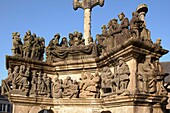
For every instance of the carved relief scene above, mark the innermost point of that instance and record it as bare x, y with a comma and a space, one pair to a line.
118, 68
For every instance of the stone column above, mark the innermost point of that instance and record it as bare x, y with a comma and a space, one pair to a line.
87, 25
87, 6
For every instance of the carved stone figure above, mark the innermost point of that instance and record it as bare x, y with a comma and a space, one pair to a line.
35, 54
64, 43
104, 31
48, 84
147, 76
53, 44
19, 80
101, 47
33, 91
124, 26
108, 85
41, 86
17, 44
75, 89
123, 75
42, 48
67, 87
71, 42
57, 88
160, 78
135, 24
158, 43
24, 80
7, 83
28, 39
15, 74
89, 85
145, 34
90, 40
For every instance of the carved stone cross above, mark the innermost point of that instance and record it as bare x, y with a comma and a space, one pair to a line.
87, 5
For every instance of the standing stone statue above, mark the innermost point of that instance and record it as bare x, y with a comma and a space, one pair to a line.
35, 54
42, 48
17, 44
147, 76
87, 5
33, 91
41, 87
135, 24
123, 73
124, 26
28, 39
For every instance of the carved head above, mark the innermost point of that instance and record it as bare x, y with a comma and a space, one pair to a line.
71, 36
135, 14
28, 32
121, 16
114, 22
34, 35
104, 27
16, 69
90, 39
9, 70
121, 60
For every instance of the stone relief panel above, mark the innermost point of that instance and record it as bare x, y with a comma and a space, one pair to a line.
151, 77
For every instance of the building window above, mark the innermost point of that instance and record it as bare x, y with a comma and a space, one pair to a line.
4, 108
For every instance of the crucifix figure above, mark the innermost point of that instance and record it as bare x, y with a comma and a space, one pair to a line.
87, 5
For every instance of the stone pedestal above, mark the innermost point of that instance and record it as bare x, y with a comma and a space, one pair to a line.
121, 104
133, 51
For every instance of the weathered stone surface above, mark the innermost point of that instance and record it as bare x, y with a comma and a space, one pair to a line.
119, 72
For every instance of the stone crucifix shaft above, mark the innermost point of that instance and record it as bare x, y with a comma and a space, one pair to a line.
87, 5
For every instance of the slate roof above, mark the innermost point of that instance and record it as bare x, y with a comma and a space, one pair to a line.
166, 66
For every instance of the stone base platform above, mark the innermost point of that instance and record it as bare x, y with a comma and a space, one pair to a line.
120, 104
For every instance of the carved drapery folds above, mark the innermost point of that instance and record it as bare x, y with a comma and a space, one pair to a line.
67, 50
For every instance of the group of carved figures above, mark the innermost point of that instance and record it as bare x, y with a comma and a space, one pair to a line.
26, 82
150, 77
33, 46
34, 83
76, 44
115, 34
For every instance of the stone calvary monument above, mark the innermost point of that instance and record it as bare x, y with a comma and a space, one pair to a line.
119, 72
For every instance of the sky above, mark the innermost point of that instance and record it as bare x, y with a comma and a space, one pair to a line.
46, 18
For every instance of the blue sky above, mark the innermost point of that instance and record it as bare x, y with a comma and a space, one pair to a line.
46, 18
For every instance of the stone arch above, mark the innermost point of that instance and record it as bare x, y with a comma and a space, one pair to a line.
46, 111
35, 109
106, 112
